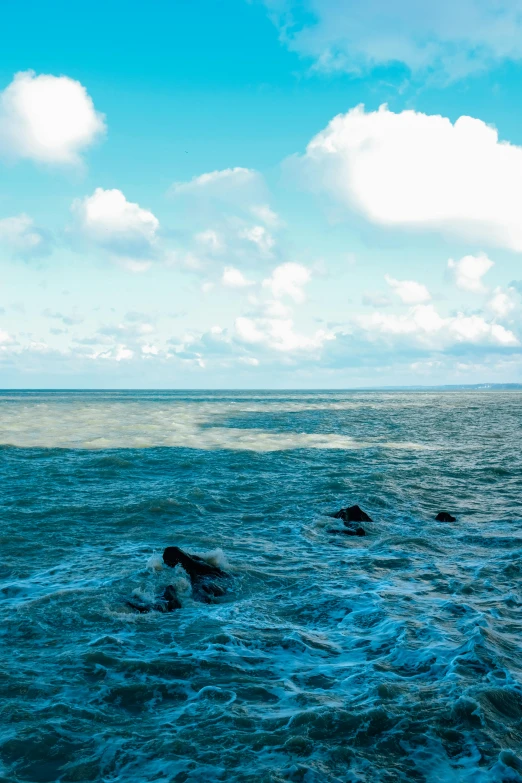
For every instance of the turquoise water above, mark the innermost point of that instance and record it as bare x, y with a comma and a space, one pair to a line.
394, 657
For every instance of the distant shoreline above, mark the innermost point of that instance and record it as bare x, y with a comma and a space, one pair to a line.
445, 387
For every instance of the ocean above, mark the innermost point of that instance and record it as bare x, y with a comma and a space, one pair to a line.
390, 657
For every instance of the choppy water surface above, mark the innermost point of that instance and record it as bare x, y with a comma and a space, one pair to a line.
395, 657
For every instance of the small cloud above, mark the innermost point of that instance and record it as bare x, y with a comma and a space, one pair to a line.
22, 238
266, 215
121, 227
260, 237
217, 183
211, 241
277, 334
48, 119
234, 278
288, 280
424, 325
150, 350
122, 353
469, 271
409, 291
502, 303
119, 353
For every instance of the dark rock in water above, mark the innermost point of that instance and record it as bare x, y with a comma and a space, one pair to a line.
139, 606
195, 566
443, 516
171, 599
205, 590
348, 531
212, 588
168, 602
352, 514
204, 577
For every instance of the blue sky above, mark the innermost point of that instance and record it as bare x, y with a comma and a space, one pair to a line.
260, 194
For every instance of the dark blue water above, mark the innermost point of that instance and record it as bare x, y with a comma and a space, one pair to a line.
393, 657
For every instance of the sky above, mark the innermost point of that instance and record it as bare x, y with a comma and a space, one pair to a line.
260, 194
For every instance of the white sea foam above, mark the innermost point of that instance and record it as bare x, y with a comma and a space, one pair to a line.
155, 562
216, 557
180, 580
96, 424
144, 594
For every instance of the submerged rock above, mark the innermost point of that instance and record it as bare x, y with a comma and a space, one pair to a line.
205, 589
170, 596
143, 608
359, 531
194, 566
204, 577
168, 602
348, 531
444, 516
352, 514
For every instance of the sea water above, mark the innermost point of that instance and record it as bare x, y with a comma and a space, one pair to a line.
394, 657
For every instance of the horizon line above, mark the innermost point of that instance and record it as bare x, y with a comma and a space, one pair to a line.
484, 386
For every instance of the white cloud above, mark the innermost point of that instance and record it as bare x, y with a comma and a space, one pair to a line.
475, 329
123, 228
288, 280
452, 40
210, 240
217, 182
277, 334
22, 237
150, 350
260, 237
409, 291
228, 212
469, 271
416, 171
234, 278
122, 353
502, 303
426, 326
248, 331
267, 215
267, 331
49, 119
119, 353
